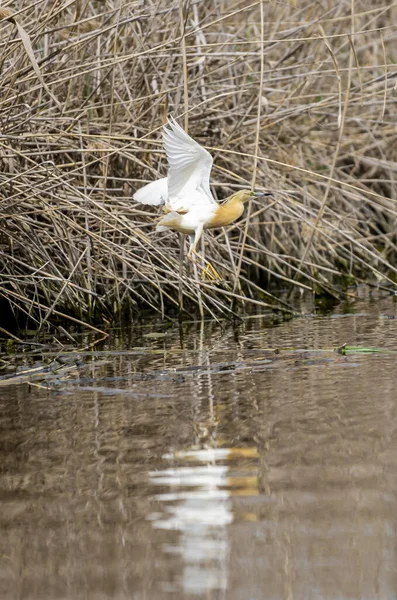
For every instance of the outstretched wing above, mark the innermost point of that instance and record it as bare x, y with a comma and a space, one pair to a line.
154, 193
189, 169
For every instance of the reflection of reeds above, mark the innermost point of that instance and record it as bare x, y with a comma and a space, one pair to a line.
85, 90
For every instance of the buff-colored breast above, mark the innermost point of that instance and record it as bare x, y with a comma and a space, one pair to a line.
226, 214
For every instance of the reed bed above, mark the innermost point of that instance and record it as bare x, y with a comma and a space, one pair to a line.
294, 98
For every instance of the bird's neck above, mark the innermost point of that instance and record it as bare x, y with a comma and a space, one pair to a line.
227, 213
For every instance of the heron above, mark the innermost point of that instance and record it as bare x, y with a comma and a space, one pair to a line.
185, 194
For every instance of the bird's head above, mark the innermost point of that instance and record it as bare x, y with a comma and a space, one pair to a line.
245, 195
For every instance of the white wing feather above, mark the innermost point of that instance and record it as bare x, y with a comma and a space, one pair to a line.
187, 186
189, 169
153, 193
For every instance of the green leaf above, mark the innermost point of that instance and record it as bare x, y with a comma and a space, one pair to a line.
361, 350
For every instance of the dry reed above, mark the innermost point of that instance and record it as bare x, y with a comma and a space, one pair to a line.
297, 97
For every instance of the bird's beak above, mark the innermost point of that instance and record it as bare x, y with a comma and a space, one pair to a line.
261, 194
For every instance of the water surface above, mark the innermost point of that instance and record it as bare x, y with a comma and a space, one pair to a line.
215, 461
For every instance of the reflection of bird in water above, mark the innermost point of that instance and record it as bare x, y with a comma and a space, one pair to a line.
185, 193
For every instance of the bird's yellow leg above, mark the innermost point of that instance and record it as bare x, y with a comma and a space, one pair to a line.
194, 241
208, 272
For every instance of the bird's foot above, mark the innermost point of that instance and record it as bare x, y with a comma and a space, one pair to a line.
209, 273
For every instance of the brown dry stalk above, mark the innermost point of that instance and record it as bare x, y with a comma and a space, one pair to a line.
298, 100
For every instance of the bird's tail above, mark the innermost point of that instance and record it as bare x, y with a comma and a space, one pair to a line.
153, 193
166, 222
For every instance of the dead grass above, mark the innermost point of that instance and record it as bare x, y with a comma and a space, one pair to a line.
297, 100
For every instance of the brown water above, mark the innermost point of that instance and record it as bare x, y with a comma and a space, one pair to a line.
207, 466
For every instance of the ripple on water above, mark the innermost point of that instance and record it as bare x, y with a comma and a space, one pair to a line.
248, 463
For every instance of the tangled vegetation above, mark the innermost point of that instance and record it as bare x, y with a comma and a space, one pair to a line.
294, 98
